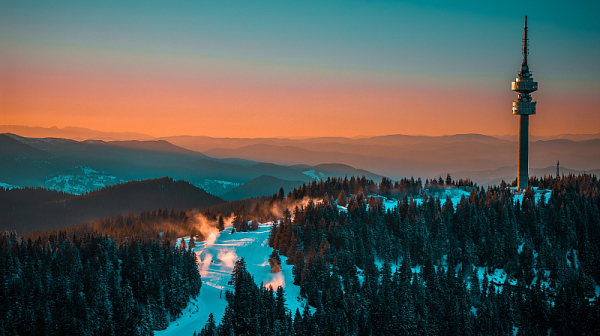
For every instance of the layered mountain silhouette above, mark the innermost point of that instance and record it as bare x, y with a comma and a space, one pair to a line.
401, 156
30, 209
75, 133
65, 164
206, 161
261, 186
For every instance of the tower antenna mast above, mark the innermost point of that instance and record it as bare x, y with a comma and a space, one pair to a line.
523, 107
525, 44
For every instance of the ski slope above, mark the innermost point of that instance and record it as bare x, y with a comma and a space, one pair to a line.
217, 256
216, 263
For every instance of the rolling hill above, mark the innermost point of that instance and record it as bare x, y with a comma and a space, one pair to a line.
30, 209
261, 186
83, 166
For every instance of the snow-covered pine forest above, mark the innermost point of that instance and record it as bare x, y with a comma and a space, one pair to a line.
368, 258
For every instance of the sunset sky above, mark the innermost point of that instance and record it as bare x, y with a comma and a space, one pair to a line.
297, 68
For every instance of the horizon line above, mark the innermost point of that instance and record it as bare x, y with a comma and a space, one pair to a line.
360, 136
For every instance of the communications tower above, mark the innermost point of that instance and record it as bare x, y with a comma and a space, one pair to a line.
523, 107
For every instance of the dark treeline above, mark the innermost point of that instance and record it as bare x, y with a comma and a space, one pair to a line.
343, 261
28, 209
162, 224
58, 284
355, 185
266, 209
341, 189
173, 223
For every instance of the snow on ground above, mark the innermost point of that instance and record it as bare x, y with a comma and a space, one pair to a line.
313, 174
8, 186
389, 203
216, 263
81, 184
497, 278
87, 170
538, 195
216, 187
455, 194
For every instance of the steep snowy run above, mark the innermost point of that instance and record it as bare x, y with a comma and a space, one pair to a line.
217, 256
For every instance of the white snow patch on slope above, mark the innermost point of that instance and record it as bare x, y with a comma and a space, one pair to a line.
497, 278
455, 195
315, 175
8, 186
216, 187
311, 173
217, 261
538, 195
389, 203
80, 184
87, 170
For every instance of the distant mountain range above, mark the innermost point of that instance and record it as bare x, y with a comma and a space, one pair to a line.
203, 143
221, 164
401, 156
83, 166
566, 136
74, 133
495, 176
260, 186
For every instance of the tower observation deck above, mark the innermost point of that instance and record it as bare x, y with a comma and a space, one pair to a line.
523, 107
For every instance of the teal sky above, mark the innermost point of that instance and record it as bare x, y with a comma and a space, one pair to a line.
377, 45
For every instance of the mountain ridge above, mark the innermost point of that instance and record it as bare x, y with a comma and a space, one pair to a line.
261, 186
30, 209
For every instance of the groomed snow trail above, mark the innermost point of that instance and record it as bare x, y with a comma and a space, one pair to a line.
216, 263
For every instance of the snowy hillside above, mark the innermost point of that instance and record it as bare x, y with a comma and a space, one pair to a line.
7, 186
217, 257
216, 187
82, 180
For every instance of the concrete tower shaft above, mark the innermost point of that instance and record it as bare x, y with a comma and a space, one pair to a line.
523, 107
523, 168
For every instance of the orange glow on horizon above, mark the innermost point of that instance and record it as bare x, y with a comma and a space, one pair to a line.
243, 107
